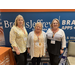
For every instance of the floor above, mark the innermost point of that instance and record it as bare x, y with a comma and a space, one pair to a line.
44, 60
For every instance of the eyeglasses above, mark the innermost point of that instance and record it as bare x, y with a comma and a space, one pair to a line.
38, 27
55, 23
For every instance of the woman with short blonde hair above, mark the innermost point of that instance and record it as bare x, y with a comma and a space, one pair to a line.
53, 21
37, 24
37, 44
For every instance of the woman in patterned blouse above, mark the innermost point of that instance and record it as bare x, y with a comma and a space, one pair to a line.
37, 44
18, 40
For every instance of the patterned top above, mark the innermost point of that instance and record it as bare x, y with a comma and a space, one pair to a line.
30, 42
18, 38
38, 45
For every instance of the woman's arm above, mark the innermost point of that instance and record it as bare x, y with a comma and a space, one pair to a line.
63, 43
29, 42
13, 42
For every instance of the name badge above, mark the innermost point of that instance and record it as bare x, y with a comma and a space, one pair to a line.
37, 43
52, 42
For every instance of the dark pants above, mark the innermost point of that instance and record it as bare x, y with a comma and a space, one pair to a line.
54, 59
21, 59
36, 60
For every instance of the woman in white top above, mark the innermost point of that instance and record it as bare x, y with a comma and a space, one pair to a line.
37, 44
56, 42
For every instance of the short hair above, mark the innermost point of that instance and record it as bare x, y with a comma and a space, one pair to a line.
37, 24
17, 18
53, 21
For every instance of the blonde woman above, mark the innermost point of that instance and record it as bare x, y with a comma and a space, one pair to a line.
37, 44
56, 42
18, 40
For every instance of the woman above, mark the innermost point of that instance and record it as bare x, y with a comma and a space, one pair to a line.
37, 44
18, 40
56, 42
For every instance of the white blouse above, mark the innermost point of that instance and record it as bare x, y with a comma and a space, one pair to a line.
30, 42
59, 36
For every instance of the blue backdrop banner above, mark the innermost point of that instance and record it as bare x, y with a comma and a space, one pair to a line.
66, 19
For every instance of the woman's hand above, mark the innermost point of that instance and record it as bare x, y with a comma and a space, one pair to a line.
17, 50
28, 50
61, 51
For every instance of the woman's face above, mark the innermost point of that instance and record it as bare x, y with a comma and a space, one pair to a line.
55, 24
20, 21
38, 27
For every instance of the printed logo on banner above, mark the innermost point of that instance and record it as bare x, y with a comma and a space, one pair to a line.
2, 39
69, 25
30, 24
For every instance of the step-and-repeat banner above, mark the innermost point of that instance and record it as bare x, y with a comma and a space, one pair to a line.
66, 19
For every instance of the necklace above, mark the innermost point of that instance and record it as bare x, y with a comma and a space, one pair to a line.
54, 31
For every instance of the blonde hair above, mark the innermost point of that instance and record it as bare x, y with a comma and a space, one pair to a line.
17, 18
37, 24
53, 21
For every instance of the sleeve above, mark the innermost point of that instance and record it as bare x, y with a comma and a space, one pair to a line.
46, 38
28, 41
26, 35
63, 40
45, 41
12, 38
47, 33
